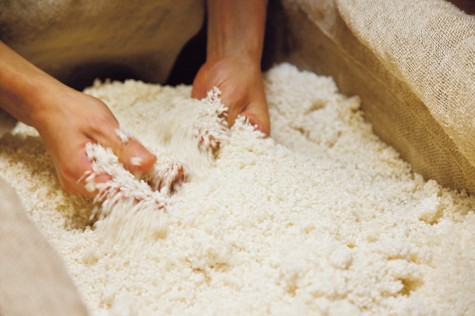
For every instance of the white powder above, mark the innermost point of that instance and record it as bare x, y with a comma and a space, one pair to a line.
323, 218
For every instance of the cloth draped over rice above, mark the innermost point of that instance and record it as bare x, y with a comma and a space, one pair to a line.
411, 62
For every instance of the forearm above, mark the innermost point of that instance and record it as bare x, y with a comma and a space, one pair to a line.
22, 85
236, 29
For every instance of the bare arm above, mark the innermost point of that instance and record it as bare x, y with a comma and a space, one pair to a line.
236, 28
21, 84
234, 51
65, 118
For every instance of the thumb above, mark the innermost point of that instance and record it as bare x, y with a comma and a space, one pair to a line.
135, 157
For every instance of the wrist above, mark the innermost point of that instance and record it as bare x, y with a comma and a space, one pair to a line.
246, 49
236, 29
44, 95
24, 88
27, 97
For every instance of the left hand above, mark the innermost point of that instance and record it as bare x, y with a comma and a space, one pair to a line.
240, 81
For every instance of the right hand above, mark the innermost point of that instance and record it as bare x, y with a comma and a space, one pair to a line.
67, 120
240, 81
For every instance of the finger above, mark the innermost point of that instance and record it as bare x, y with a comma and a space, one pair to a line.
102, 178
199, 88
235, 107
167, 177
131, 153
75, 177
136, 157
232, 115
88, 187
258, 116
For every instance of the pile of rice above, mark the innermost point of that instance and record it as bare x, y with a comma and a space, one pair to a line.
322, 218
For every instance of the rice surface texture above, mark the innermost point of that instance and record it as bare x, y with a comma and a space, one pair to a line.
323, 218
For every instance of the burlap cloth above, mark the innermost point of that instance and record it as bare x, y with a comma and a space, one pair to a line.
413, 65
33, 278
84, 39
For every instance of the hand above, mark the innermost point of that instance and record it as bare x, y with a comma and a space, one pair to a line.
69, 119
233, 58
240, 81
66, 120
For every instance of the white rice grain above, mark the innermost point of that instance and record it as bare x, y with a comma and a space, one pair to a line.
321, 219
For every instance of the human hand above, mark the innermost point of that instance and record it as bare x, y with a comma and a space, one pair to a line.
69, 119
233, 58
66, 120
240, 82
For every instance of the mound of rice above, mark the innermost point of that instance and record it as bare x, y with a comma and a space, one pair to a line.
322, 218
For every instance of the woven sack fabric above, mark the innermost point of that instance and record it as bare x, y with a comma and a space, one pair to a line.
77, 41
68, 38
33, 278
413, 65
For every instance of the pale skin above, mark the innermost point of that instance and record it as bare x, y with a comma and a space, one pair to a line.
67, 119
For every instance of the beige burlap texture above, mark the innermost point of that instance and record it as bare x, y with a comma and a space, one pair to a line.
33, 279
74, 40
413, 65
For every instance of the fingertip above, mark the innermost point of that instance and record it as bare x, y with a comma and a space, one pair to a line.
231, 118
73, 176
265, 128
260, 125
102, 178
197, 91
145, 162
89, 189
137, 158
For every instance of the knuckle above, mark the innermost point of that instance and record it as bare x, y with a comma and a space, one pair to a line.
103, 122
